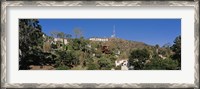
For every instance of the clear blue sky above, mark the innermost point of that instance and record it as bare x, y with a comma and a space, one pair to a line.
149, 31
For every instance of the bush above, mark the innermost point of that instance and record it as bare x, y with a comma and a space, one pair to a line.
66, 58
161, 64
118, 68
138, 58
176, 48
93, 66
62, 68
79, 67
105, 64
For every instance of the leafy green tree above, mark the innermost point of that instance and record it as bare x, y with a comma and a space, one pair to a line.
98, 53
105, 64
83, 44
92, 66
79, 44
112, 58
138, 58
176, 48
66, 58
76, 44
30, 39
161, 64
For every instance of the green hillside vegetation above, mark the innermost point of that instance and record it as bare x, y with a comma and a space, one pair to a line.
38, 49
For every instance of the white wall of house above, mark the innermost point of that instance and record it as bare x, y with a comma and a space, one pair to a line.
60, 39
121, 62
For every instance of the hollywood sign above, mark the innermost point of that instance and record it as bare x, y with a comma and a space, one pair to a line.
98, 39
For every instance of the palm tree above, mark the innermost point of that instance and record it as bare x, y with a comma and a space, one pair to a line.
68, 35
157, 47
54, 34
77, 32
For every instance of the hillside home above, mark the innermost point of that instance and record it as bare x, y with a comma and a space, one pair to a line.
122, 62
61, 40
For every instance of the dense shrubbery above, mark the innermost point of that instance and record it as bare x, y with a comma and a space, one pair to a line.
93, 66
160, 64
138, 58
67, 59
150, 59
105, 64
176, 48
30, 43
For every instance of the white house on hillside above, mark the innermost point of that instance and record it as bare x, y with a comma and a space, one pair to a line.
61, 40
121, 62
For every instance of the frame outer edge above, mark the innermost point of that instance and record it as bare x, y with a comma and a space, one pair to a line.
96, 3
196, 15
3, 44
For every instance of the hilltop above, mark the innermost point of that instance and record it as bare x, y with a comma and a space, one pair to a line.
127, 44
121, 46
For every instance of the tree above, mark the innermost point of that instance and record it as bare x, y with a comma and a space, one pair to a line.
63, 36
46, 47
167, 45
79, 44
176, 48
166, 50
138, 58
68, 36
98, 53
160, 64
76, 44
157, 47
66, 59
105, 64
30, 39
93, 66
54, 34
77, 32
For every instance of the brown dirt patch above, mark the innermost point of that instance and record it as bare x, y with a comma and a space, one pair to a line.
44, 67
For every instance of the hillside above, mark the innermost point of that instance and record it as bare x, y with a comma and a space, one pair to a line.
121, 46
126, 44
